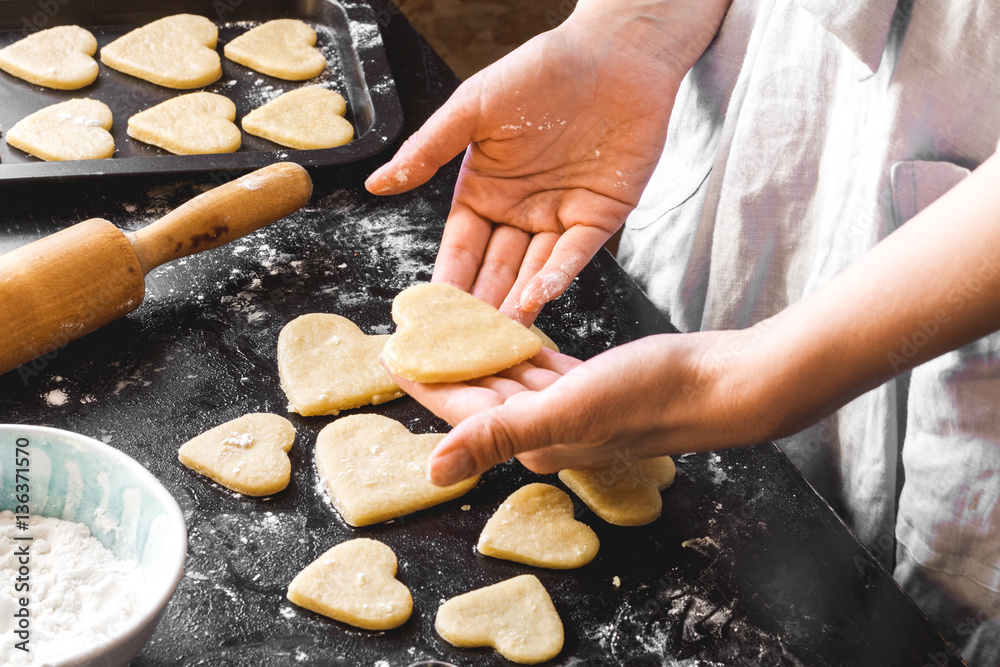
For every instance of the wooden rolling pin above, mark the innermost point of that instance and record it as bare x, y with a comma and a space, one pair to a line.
63, 286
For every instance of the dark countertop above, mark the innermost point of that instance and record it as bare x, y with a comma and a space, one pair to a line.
775, 578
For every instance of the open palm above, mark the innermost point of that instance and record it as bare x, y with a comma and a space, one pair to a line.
561, 136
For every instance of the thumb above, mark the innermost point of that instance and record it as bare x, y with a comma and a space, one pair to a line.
489, 438
444, 135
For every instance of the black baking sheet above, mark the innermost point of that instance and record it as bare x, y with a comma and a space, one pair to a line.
348, 35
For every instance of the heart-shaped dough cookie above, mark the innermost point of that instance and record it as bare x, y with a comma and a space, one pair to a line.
304, 118
354, 582
283, 48
71, 130
192, 124
57, 58
447, 335
176, 52
374, 469
544, 337
625, 494
327, 364
535, 526
516, 617
248, 455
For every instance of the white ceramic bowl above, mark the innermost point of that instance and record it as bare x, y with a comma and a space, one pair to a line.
76, 478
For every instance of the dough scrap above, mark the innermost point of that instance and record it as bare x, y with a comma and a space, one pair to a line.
72, 130
354, 582
175, 52
57, 58
248, 455
535, 526
374, 469
327, 364
447, 335
283, 48
627, 493
303, 119
191, 124
516, 617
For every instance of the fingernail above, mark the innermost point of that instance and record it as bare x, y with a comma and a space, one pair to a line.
452, 467
375, 176
528, 305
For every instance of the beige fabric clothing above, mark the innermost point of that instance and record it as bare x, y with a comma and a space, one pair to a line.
809, 131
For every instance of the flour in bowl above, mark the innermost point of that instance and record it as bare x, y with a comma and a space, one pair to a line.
79, 595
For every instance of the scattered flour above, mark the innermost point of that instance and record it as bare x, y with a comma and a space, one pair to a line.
240, 440
80, 594
56, 397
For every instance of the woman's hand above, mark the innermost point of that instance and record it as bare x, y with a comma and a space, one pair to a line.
562, 136
929, 287
663, 394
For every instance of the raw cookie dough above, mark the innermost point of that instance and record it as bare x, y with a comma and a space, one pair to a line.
283, 48
71, 130
192, 124
546, 341
248, 455
535, 526
374, 469
626, 494
327, 364
176, 52
447, 335
57, 58
516, 617
354, 582
304, 118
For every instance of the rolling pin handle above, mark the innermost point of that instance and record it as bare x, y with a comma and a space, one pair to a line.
223, 214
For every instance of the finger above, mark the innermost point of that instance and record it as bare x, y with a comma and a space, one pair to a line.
572, 251
534, 259
530, 376
547, 460
501, 263
451, 401
554, 458
487, 438
611, 454
463, 246
503, 387
443, 136
555, 361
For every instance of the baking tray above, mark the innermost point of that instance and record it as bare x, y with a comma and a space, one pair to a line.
348, 35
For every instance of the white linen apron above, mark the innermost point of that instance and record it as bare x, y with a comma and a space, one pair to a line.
807, 132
